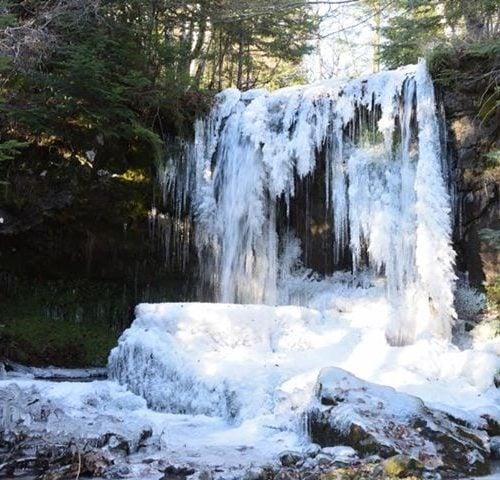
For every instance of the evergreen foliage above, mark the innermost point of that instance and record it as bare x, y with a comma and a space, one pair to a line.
106, 82
10, 148
415, 27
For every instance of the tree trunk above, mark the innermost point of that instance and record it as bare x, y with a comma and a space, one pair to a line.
239, 77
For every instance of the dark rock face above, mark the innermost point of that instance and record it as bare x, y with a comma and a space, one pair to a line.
475, 179
77, 252
376, 419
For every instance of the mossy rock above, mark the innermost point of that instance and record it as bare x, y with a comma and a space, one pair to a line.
401, 466
376, 424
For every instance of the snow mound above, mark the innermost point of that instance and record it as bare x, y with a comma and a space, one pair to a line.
85, 410
211, 359
254, 362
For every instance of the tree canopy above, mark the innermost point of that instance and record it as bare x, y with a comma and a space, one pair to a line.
415, 27
97, 79
104, 80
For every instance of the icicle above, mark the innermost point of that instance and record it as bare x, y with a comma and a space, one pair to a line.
434, 254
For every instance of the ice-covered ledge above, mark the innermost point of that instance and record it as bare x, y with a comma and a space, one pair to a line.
214, 359
245, 362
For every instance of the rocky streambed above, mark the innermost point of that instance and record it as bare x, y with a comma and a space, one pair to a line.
355, 430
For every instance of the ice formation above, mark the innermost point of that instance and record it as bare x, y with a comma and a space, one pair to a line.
259, 364
364, 159
375, 143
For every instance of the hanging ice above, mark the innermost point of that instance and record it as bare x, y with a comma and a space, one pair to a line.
252, 178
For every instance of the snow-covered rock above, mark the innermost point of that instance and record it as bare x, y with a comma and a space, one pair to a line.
341, 453
241, 362
495, 447
15, 370
312, 450
90, 413
377, 419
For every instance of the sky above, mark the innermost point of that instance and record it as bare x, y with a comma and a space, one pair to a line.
344, 48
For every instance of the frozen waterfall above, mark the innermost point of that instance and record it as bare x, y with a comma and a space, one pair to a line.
357, 165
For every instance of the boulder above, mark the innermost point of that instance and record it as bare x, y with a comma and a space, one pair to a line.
402, 466
177, 472
341, 454
495, 447
289, 458
376, 419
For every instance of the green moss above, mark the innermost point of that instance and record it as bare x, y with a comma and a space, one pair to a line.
439, 62
493, 296
453, 64
70, 325
371, 471
400, 466
30, 339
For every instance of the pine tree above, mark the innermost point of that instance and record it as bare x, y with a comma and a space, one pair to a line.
415, 27
115, 77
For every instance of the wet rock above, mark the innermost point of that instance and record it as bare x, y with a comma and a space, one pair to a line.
36, 457
375, 419
361, 472
309, 464
492, 425
117, 443
288, 474
372, 458
145, 435
289, 458
117, 471
312, 476
341, 454
121, 444
263, 473
431, 476
254, 474
495, 447
95, 463
202, 475
175, 472
323, 460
